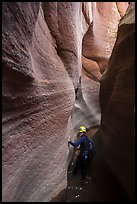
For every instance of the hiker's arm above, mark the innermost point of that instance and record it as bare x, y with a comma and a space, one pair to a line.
75, 144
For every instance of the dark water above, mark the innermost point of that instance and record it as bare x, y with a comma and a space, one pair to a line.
76, 190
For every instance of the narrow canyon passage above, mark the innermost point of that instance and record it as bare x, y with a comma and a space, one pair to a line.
76, 191
81, 193
67, 64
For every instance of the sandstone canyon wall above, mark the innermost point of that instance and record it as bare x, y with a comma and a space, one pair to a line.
97, 45
46, 93
114, 167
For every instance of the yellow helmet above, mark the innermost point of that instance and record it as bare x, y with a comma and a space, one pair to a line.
82, 129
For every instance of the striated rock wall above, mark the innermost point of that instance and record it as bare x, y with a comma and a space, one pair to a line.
114, 167
45, 93
38, 95
41, 69
97, 45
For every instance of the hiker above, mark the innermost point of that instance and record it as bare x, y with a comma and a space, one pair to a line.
82, 158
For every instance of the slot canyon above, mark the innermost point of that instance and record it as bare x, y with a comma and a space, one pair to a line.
66, 64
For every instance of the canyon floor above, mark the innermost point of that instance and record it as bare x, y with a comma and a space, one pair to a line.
77, 191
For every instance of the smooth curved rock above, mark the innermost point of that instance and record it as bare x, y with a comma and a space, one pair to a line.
99, 40
42, 68
114, 168
34, 113
97, 46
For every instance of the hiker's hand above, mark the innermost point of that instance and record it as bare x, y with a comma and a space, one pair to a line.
68, 139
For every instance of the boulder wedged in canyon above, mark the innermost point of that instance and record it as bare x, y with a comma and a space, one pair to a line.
42, 83
114, 168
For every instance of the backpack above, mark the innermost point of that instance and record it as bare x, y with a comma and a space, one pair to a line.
89, 149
